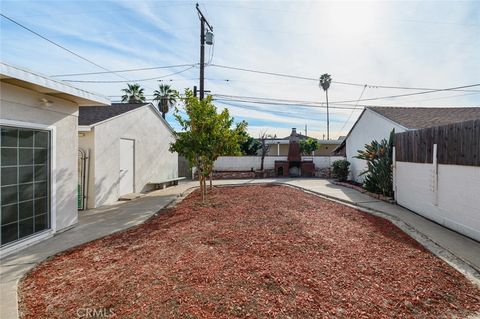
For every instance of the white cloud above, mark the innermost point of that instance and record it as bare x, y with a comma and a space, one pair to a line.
386, 43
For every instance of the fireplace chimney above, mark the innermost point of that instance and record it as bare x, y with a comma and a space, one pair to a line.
294, 147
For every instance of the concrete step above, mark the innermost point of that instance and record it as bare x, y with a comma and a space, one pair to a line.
130, 196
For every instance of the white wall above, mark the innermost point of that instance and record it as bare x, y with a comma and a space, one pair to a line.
19, 104
454, 203
371, 126
153, 160
246, 163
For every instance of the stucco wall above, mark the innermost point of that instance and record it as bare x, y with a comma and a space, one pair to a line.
19, 104
153, 160
282, 149
371, 126
454, 204
278, 149
246, 163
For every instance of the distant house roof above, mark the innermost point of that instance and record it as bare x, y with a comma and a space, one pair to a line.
422, 117
43, 84
412, 118
95, 114
300, 135
287, 141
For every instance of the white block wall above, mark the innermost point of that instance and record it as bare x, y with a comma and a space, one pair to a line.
246, 163
454, 202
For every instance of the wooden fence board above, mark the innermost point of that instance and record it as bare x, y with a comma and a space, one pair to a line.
457, 144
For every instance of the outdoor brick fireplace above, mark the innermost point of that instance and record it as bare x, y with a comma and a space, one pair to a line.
294, 166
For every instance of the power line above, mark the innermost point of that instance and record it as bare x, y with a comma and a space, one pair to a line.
274, 101
125, 70
264, 72
351, 113
58, 45
445, 97
286, 103
411, 94
278, 101
373, 86
265, 99
282, 113
138, 80
349, 101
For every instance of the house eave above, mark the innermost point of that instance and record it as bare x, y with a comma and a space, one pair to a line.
42, 84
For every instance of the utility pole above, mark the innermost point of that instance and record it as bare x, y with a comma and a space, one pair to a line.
203, 23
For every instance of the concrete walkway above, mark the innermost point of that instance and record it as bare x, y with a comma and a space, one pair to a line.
92, 224
461, 252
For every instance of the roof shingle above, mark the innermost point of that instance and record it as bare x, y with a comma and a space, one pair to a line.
422, 117
93, 114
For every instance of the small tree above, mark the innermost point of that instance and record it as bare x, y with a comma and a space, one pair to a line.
378, 175
264, 147
308, 146
206, 136
248, 146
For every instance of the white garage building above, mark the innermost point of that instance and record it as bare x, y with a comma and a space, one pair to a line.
127, 146
376, 123
38, 119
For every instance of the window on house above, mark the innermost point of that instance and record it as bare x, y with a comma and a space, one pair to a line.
25, 182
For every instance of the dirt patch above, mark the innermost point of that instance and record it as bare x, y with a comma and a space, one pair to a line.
256, 252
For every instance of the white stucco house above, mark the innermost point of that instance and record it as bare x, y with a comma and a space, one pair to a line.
128, 147
39, 124
376, 123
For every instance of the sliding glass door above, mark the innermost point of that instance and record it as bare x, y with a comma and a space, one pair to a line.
25, 182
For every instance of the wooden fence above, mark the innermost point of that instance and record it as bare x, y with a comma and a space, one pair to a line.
457, 144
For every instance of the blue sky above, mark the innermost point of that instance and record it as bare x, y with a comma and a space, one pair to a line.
414, 44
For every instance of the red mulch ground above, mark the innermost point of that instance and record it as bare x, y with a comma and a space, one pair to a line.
256, 251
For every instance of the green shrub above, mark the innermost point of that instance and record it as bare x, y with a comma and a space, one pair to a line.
340, 169
308, 146
378, 175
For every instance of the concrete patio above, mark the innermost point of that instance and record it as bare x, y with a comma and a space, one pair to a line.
460, 251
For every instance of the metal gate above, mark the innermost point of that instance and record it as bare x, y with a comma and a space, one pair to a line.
83, 157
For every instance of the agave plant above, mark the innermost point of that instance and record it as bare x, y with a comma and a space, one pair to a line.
378, 175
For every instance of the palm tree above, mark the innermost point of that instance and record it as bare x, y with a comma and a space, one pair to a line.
166, 97
133, 94
325, 81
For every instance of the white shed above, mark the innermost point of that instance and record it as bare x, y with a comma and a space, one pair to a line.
39, 123
376, 123
128, 147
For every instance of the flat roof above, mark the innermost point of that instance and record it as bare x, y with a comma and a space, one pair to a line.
46, 85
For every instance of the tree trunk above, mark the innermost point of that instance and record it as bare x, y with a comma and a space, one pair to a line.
200, 179
261, 164
163, 115
211, 180
328, 117
205, 189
